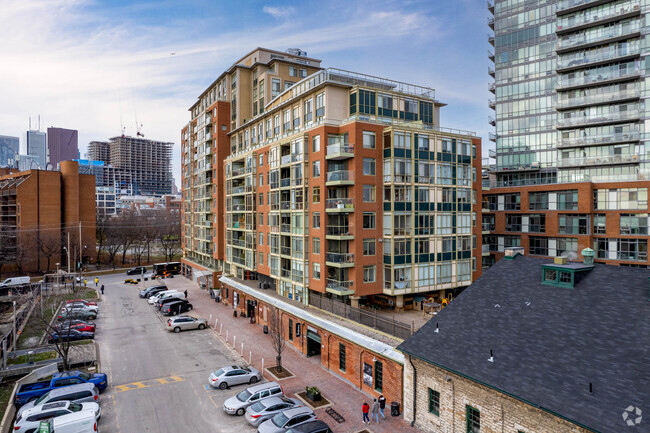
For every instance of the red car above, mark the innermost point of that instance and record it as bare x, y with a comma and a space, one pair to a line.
83, 327
83, 301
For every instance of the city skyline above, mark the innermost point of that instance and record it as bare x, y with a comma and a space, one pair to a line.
124, 65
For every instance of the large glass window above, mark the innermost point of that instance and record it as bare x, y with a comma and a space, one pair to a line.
369, 220
369, 247
570, 224
369, 274
275, 87
634, 224
538, 201
600, 224
368, 140
444, 273
513, 223
369, 166
316, 220
538, 246
623, 198
369, 193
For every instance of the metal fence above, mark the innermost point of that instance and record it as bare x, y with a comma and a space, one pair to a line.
369, 318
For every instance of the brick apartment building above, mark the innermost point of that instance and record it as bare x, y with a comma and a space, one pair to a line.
37, 209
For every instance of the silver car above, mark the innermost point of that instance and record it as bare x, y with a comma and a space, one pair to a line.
237, 404
182, 323
79, 393
29, 420
287, 419
233, 375
259, 412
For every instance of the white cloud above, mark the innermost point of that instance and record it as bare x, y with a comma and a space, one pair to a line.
279, 12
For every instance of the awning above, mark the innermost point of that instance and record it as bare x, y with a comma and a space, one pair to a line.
341, 291
419, 299
199, 274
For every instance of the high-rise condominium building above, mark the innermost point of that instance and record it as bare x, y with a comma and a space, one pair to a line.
147, 161
572, 166
335, 182
62, 145
8, 150
37, 147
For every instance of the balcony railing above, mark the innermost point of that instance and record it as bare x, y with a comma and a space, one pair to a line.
284, 183
339, 203
488, 227
339, 175
285, 273
599, 139
600, 160
238, 190
332, 283
584, 59
285, 228
340, 148
588, 79
238, 171
338, 231
285, 159
567, 4
239, 242
285, 251
340, 257
578, 20
601, 98
600, 35
601, 118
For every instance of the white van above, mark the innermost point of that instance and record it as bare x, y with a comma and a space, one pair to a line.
15, 281
153, 299
79, 422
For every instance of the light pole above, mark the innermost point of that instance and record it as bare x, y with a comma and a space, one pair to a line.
15, 342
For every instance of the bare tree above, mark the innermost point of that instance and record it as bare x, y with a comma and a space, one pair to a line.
128, 221
170, 235
100, 232
62, 329
277, 336
49, 244
113, 242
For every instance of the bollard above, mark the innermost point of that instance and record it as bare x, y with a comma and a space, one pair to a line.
210, 318
262, 366
234, 338
226, 336
220, 328
215, 323
242, 350
250, 355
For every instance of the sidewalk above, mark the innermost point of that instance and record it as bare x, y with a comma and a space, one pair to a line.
345, 398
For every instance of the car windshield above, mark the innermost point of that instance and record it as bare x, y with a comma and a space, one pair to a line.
244, 395
41, 398
75, 407
218, 372
84, 376
258, 407
280, 420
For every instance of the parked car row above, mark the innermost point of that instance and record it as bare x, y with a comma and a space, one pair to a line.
265, 405
74, 322
67, 403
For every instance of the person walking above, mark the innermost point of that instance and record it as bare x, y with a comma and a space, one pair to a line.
96, 281
185, 292
375, 410
365, 408
85, 282
102, 289
382, 405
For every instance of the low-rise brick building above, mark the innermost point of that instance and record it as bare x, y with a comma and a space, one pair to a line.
537, 347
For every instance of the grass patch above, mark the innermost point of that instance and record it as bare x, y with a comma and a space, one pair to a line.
24, 359
6, 388
80, 343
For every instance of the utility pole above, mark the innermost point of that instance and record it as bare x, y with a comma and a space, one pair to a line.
81, 253
15, 342
68, 252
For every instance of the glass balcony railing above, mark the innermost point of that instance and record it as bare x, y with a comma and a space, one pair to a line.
575, 20
488, 227
339, 175
340, 258
584, 58
599, 77
339, 203
340, 148
601, 98
238, 190
338, 231
285, 228
600, 118
335, 284
285, 183
600, 35
285, 159
598, 160
238, 242
599, 139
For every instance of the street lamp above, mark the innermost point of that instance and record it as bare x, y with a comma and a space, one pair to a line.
15, 342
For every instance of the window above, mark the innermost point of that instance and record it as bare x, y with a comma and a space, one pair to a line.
260, 258
623, 198
316, 168
369, 273
464, 270
634, 224
512, 201
369, 193
342, 357
315, 245
368, 140
369, 247
369, 166
538, 246
538, 201
261, 198
316, 271
434, 402
307, 111
316, 220
261, 219
320, 105
513, 223
569, 224
293, 71
444, 273
315, 143
537, 223
275, 87
600, 224
446, 145
288, 84
261, 180
473, 420
290, 329
315, 197
261, 162
566, 200
368, 220
379, 376
261, 238
445, 174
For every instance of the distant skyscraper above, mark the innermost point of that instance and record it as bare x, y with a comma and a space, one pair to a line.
37, 146
62, 145
99, 151
8, 150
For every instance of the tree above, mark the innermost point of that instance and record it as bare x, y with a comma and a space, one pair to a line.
49, 244
100, 233
113, 242
170, 235
128, 221
277, 336
62, 346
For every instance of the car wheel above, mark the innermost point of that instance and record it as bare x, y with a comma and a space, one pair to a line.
91, 317
201, 326
223, 385
189, 308
177, 329
240, 411
253, 380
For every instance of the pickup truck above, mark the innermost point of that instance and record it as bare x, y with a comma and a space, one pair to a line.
31, 391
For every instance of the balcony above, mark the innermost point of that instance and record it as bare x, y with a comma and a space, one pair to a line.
238, 190
596, 140
490, 39
491, 55
597, 99
239, 243
340, 260
492, 153
341, 233
340, 287
485, 250
582, 59
490, 21
490, 6
285, 183
492, 104
491, 72
487, 228
566, 6
600, 160
340, 177
598, 37
602, 78
492, 87
339, 205
238, 171
340, 151
285, 228
286, 159
600, 119
492, 121
622, 11
492, 136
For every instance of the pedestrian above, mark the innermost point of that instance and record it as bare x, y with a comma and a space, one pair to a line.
96, 281
102, 289
185, 294
382, 405
365, 408
375, 410
85, 282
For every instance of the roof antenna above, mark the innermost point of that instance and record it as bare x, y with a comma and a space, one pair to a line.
591, 388
491, 358
139, 133
437, 329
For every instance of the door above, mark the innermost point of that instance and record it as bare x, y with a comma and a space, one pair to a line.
313, 343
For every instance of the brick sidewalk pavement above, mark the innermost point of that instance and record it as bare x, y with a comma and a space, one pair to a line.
345, 398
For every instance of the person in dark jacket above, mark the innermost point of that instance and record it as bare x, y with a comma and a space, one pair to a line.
185, 292
102, 289
382, 405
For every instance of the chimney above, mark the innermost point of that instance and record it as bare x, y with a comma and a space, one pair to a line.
588, 256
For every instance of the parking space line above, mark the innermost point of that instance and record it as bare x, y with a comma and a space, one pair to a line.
148, 383
218, 406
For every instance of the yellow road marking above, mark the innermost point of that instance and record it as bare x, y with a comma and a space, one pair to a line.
147, 383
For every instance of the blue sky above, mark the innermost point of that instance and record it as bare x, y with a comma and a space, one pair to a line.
97, 66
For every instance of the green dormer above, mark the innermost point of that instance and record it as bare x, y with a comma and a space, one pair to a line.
564, 274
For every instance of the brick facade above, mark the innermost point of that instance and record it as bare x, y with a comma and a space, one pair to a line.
499, 413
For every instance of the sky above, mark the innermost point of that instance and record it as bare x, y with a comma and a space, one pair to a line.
103, 66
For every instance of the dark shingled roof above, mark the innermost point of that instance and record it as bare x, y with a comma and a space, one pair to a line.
550, 342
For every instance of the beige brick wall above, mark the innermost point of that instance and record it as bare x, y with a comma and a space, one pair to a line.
499, 413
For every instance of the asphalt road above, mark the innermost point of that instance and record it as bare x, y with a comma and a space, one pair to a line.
158, 379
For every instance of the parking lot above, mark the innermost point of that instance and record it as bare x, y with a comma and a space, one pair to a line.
158, 379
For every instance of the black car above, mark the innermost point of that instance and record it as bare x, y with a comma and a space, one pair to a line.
70, 335
178, 306
136, 271
315, 426
153, 290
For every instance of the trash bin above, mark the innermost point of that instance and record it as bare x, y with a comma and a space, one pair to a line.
266, 329
211, 294
394, 408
